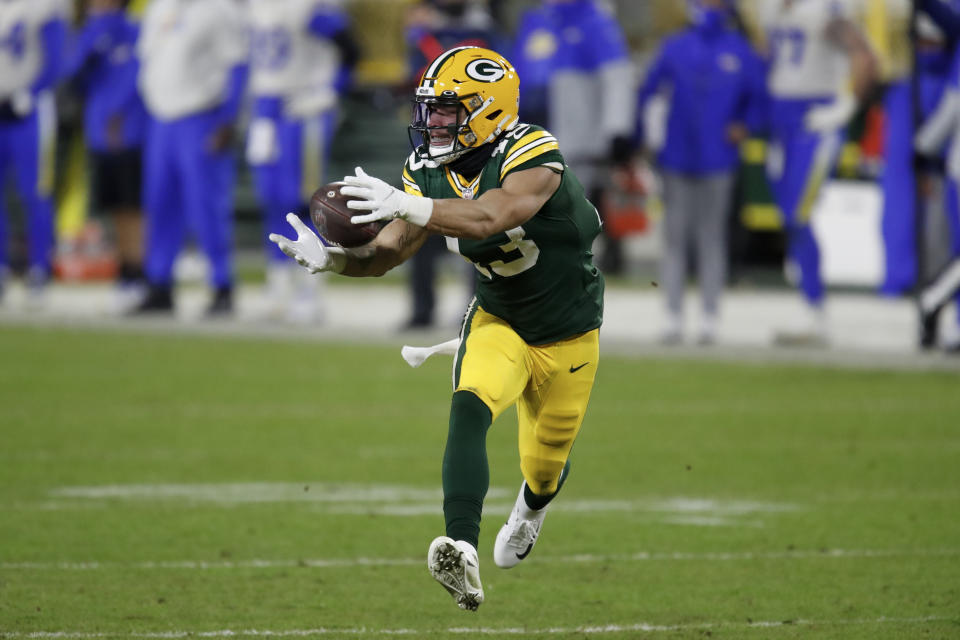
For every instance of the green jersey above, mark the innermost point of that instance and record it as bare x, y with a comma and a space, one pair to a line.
538, 277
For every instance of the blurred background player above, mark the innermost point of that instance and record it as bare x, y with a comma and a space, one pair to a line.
712, 81
938, 62
579, 49
302, 55
104, 66
821, 69
435, 26
32, 38
193, 57
919, 85
941, 127
534, 49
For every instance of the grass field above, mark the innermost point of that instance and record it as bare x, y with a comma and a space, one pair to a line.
162, 486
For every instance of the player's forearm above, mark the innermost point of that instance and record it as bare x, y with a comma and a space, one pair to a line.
395, 244
370, 267
463, 218
495, 211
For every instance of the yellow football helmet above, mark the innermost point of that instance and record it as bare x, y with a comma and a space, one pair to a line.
485, 90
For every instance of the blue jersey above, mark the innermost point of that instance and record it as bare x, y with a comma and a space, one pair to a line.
712, 80
579, 50
103, 59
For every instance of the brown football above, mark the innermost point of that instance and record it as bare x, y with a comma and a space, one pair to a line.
331, 217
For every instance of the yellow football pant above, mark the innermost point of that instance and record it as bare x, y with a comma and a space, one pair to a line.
550, 385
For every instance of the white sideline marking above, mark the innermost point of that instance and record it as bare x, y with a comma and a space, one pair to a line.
586, 558
513, 631
406, 501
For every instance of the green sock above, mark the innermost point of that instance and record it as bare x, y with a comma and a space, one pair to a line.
466, 475
536, 502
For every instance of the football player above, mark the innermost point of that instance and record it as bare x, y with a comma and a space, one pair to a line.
697, 150
500, 192
821, 69
193, 70
104, 68
32, 35
301, 57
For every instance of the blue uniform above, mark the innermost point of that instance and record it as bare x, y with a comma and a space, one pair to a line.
575, 56
713, 80
104, 61
533, 54
300, 64
192, 76
32, 35
807, 74
898, 181
948, 113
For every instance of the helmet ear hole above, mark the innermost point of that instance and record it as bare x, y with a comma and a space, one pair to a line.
495, 114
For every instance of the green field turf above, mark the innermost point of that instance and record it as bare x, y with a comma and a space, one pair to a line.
166, 486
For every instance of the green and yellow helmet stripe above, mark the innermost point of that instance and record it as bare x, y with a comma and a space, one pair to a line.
430, 75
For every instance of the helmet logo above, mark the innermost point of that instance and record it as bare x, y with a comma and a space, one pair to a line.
485, 70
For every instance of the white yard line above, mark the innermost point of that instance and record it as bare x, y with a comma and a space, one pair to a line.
332, 563
507, 631
405, 501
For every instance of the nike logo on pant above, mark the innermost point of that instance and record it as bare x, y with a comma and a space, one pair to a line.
575, 369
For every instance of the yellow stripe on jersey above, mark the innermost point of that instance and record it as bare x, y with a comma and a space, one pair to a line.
409, 185
528, 147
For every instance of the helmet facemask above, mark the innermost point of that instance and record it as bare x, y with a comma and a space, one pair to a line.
443, 144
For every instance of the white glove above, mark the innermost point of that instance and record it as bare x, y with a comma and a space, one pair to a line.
831, 116
307, 249
383, 201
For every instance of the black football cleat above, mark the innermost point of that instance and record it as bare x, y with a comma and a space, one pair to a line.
928, 330
222, 303
159, 299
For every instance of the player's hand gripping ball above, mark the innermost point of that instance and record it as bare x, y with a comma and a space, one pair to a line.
331, 217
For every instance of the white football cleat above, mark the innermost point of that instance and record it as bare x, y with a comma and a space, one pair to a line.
516, 538
454, 564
